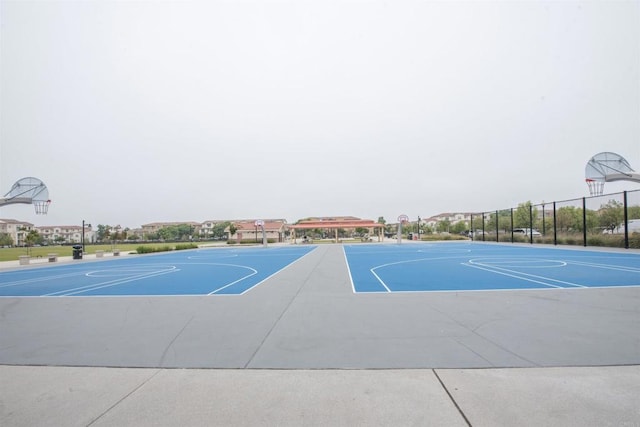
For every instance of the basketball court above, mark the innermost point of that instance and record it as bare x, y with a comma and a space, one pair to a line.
328, 333
225, 271
295, 307
446, 267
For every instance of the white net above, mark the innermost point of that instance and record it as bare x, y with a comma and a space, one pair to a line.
41, 206
596, 187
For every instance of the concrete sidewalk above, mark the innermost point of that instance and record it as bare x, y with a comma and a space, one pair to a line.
56, 396
44, 261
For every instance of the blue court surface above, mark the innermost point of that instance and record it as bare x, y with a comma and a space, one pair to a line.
421, 267
216, 271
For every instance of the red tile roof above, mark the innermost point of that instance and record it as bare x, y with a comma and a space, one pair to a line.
333, 223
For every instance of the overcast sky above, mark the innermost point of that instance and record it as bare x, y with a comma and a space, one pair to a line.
136, 112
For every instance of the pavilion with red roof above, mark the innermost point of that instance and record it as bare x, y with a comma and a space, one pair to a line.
336, 223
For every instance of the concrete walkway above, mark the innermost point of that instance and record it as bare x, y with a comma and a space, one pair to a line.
68, 396
301, 349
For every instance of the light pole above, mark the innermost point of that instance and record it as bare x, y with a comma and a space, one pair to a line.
82, 237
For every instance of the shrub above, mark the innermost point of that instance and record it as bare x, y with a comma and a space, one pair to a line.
251, 241
149, 249
184, 246
596, 241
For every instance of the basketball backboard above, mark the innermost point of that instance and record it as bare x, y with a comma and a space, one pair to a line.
28, 191
607, 167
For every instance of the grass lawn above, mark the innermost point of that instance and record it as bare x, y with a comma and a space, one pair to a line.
12, 254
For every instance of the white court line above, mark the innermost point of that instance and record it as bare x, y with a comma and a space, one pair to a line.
107, 284
403, 262
282, 269
235, 281
39, 279
380, 280
372, 270
607, 266
510, 275
346, 261
519, 275
217, 256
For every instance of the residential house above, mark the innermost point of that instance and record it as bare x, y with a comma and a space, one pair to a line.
17, 230
154, 227
66, 233
452, 217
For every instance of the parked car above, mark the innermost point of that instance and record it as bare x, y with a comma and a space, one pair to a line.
477, 234
634, 227
527, 232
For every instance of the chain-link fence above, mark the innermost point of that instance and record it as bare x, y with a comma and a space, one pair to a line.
611, 220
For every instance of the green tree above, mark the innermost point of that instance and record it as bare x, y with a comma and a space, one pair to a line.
116, 234
6, 239
633, 212
569, 218
361, 231
523, 215
152, 236
592, 220
611, 215
443, 226
166, 233
176, 232
218, 230
490, 223
103, 233
33, 238
459, 227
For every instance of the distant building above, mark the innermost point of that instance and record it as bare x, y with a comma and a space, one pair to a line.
66, 233
330, 226
154, 227
275, 230
206, 228
452, 217
17, 230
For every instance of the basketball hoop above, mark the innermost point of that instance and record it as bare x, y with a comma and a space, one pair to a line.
595, 187
42, 206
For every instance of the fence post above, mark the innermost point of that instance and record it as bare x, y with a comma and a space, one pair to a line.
626, 221
584, 220
530, 223
555, 226
511, 225
497, 228
483, 226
